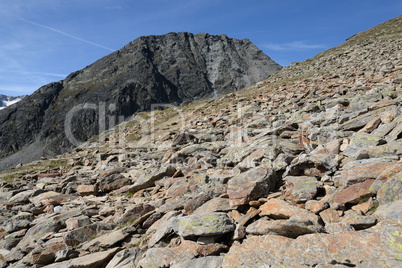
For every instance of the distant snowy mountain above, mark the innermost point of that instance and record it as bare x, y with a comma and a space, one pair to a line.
7, 100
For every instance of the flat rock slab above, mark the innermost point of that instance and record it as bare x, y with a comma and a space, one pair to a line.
361, 170
376, 247
127, 258
98, 259
215, 205
354, 193
279, 209
106, 240
209, 224
300, 189
292, 227
204, 262
389, 211
250, 185
45, 226
149, 181
85, 233
391, 189
164, 257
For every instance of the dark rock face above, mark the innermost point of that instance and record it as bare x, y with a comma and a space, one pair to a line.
176, 68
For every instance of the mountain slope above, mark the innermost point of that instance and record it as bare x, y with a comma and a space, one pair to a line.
175, 68
301, 170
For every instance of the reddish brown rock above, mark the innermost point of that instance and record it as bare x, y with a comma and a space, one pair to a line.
361, 170
363, 208
375, 247
293, 227
250, 185
85, 190
317, 206
46, 253
279, 209
354, 193
329, 216
77, 222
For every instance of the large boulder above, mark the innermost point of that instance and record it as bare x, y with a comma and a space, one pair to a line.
210, 224
375, 247
250, 185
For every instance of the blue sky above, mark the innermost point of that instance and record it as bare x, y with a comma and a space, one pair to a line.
42, 41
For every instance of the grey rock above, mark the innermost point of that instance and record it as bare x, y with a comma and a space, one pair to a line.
337, 227
358, 122
127, 258
293, 227
361, 141
43, 227
165, 257
134, 212
300, 189
98, 259
251, 184
162, 227
4, 196
391, 149
215, 205
209, 224
85, 233
113, 180
359, 222
20, 221
389, 211
150, 180
361, 170
391, 189
63, 255
105, 241
203, 262
21, 198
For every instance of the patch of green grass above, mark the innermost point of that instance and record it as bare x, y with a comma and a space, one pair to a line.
133, 137
374, 208
40, 166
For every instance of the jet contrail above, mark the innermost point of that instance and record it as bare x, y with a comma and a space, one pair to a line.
65, 34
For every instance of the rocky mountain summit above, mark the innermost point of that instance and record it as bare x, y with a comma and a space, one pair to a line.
175, 68
6, 101
301, 170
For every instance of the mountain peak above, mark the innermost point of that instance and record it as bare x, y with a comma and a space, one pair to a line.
175, 68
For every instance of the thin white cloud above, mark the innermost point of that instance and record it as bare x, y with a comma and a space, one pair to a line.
115, 7
292, 46
45, 74
66, 34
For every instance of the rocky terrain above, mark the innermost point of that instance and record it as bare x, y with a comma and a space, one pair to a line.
175, 68
6, 101
301, 170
